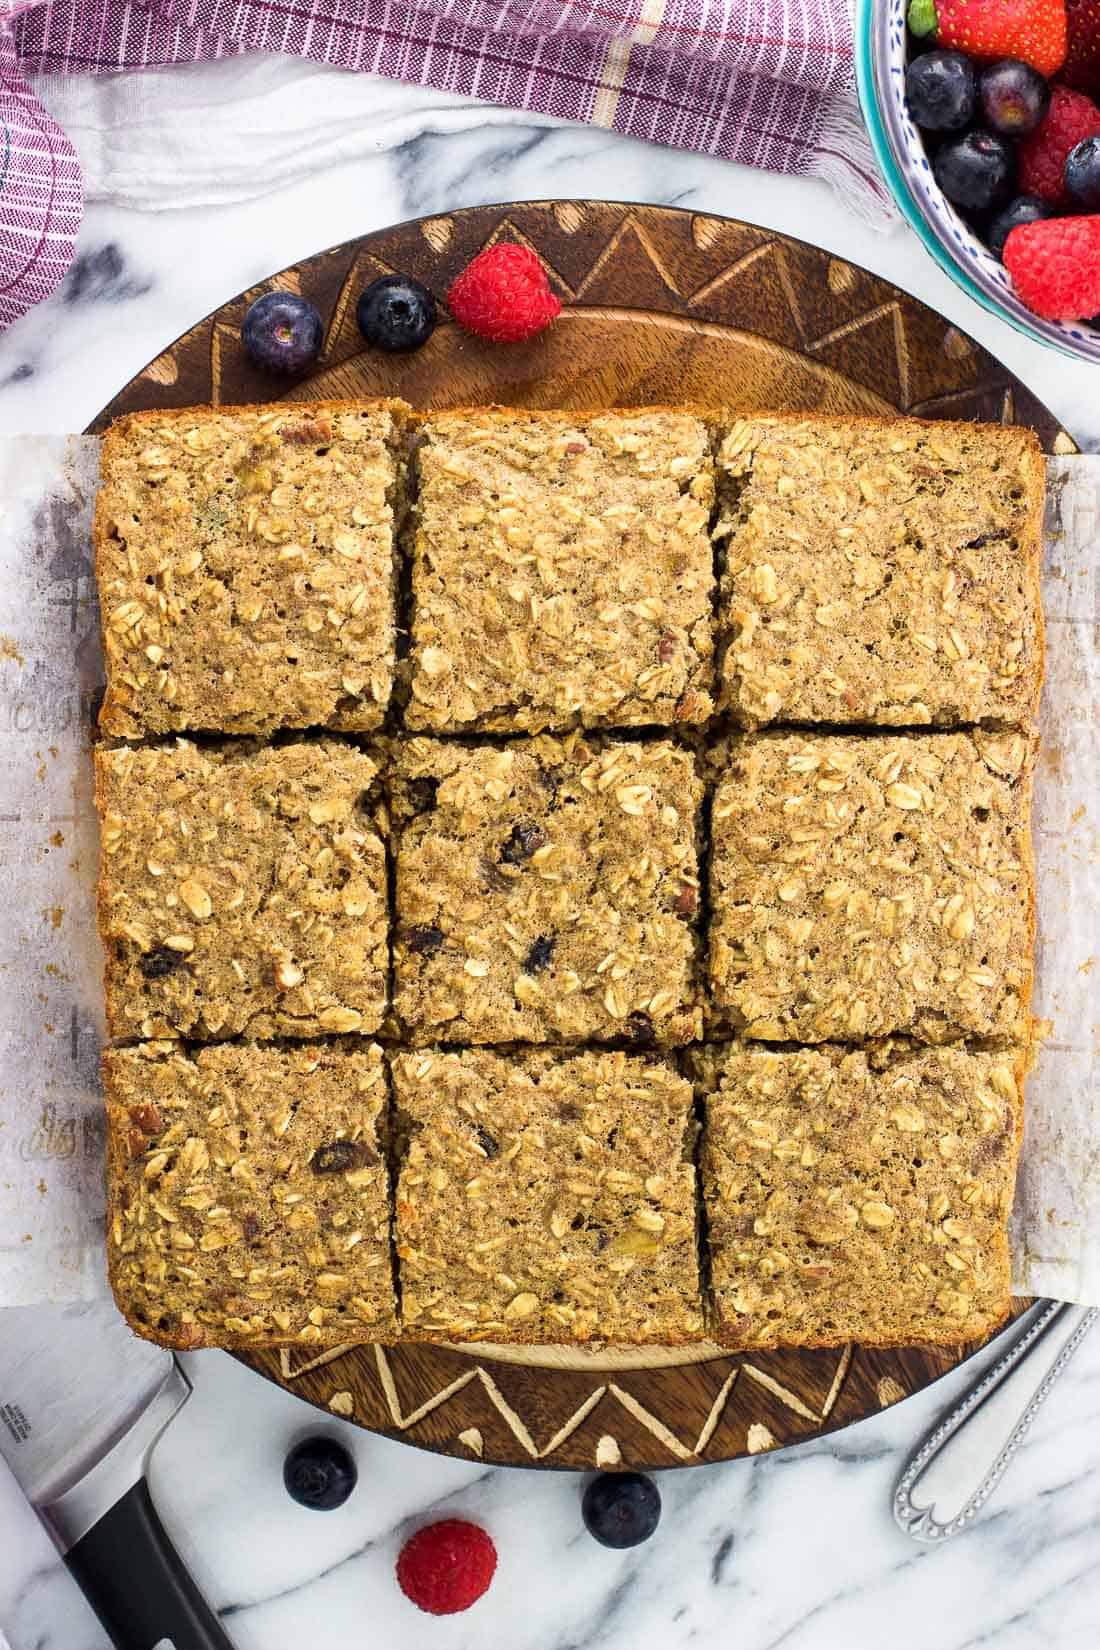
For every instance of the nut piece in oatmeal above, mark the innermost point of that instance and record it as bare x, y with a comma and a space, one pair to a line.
859, 1194
562, 571
545, 1197
546, 891
880, 572
247, 568
248, 1196
868, 885
241, 891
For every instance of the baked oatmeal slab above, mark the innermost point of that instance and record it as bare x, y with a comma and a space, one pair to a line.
246, 564
562, 571
858, 1194
545, 891
870, 884
242, 891
248, 1195
883, 572
545, 1196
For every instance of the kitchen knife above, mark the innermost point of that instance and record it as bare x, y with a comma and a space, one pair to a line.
82, 1402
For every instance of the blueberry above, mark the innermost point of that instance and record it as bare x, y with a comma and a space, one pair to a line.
522, 843
489, 1143
638, 1029
940, 89
1082, 174
319, 1473
423, 939
396, 313
1024, 209
621, 1508
282, 333
540, 954
161, 961
1014, 97
975, 170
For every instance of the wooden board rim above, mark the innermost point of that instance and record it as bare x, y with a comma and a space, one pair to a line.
813, 315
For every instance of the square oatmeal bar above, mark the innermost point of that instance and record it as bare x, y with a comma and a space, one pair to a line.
562, 571
863, 885
546, 891
883, 572
246, 564
855, 1194
248, 1196
242, 891
546, 1197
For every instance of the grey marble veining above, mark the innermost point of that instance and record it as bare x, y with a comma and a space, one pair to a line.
796, 1549
143, 278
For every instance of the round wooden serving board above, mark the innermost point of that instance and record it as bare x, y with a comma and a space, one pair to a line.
660, 306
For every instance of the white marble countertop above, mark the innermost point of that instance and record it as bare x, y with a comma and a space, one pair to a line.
795, 1549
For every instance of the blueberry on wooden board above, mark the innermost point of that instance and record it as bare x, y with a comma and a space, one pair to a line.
396, 313
282, 333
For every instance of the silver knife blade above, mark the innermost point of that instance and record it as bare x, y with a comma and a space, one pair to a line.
73, 1380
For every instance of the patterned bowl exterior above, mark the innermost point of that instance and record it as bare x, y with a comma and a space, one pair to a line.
899, 150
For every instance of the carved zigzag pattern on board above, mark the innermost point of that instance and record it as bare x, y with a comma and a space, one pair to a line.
697, 267
632, 244
630, 240
759, 1436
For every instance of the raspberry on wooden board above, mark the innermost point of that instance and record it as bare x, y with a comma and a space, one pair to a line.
504, 295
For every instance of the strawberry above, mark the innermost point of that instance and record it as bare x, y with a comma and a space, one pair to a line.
445, 1567
1082, 65
1041, 156
1055, 267
1033, 31
504, 295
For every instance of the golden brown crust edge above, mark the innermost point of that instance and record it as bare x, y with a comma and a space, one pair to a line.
195, 1339
412, 421
115, 722
722, 1330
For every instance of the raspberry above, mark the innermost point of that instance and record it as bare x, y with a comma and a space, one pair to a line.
1055, 267
503, 295
1042, 155
446, 1567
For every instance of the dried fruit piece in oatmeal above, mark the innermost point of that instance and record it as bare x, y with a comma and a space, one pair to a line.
562, 571
248, 1197
880, 572
242, 891
546, 1197
858, 1195
246, 566
868, 885
545, 891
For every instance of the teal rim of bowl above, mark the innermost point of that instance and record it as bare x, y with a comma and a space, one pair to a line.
895, 182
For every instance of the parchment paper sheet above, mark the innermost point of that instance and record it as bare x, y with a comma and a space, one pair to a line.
51, 1136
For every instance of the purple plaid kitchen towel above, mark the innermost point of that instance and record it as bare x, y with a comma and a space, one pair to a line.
764, 82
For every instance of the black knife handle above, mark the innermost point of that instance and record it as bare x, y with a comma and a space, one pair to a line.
137, 1584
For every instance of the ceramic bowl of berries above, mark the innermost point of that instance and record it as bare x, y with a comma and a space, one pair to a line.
985, 120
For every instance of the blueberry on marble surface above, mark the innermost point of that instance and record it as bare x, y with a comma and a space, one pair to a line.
282, 333
396, 313
319, 1473
621, 1508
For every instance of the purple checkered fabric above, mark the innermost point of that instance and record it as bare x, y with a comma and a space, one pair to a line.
755, 81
